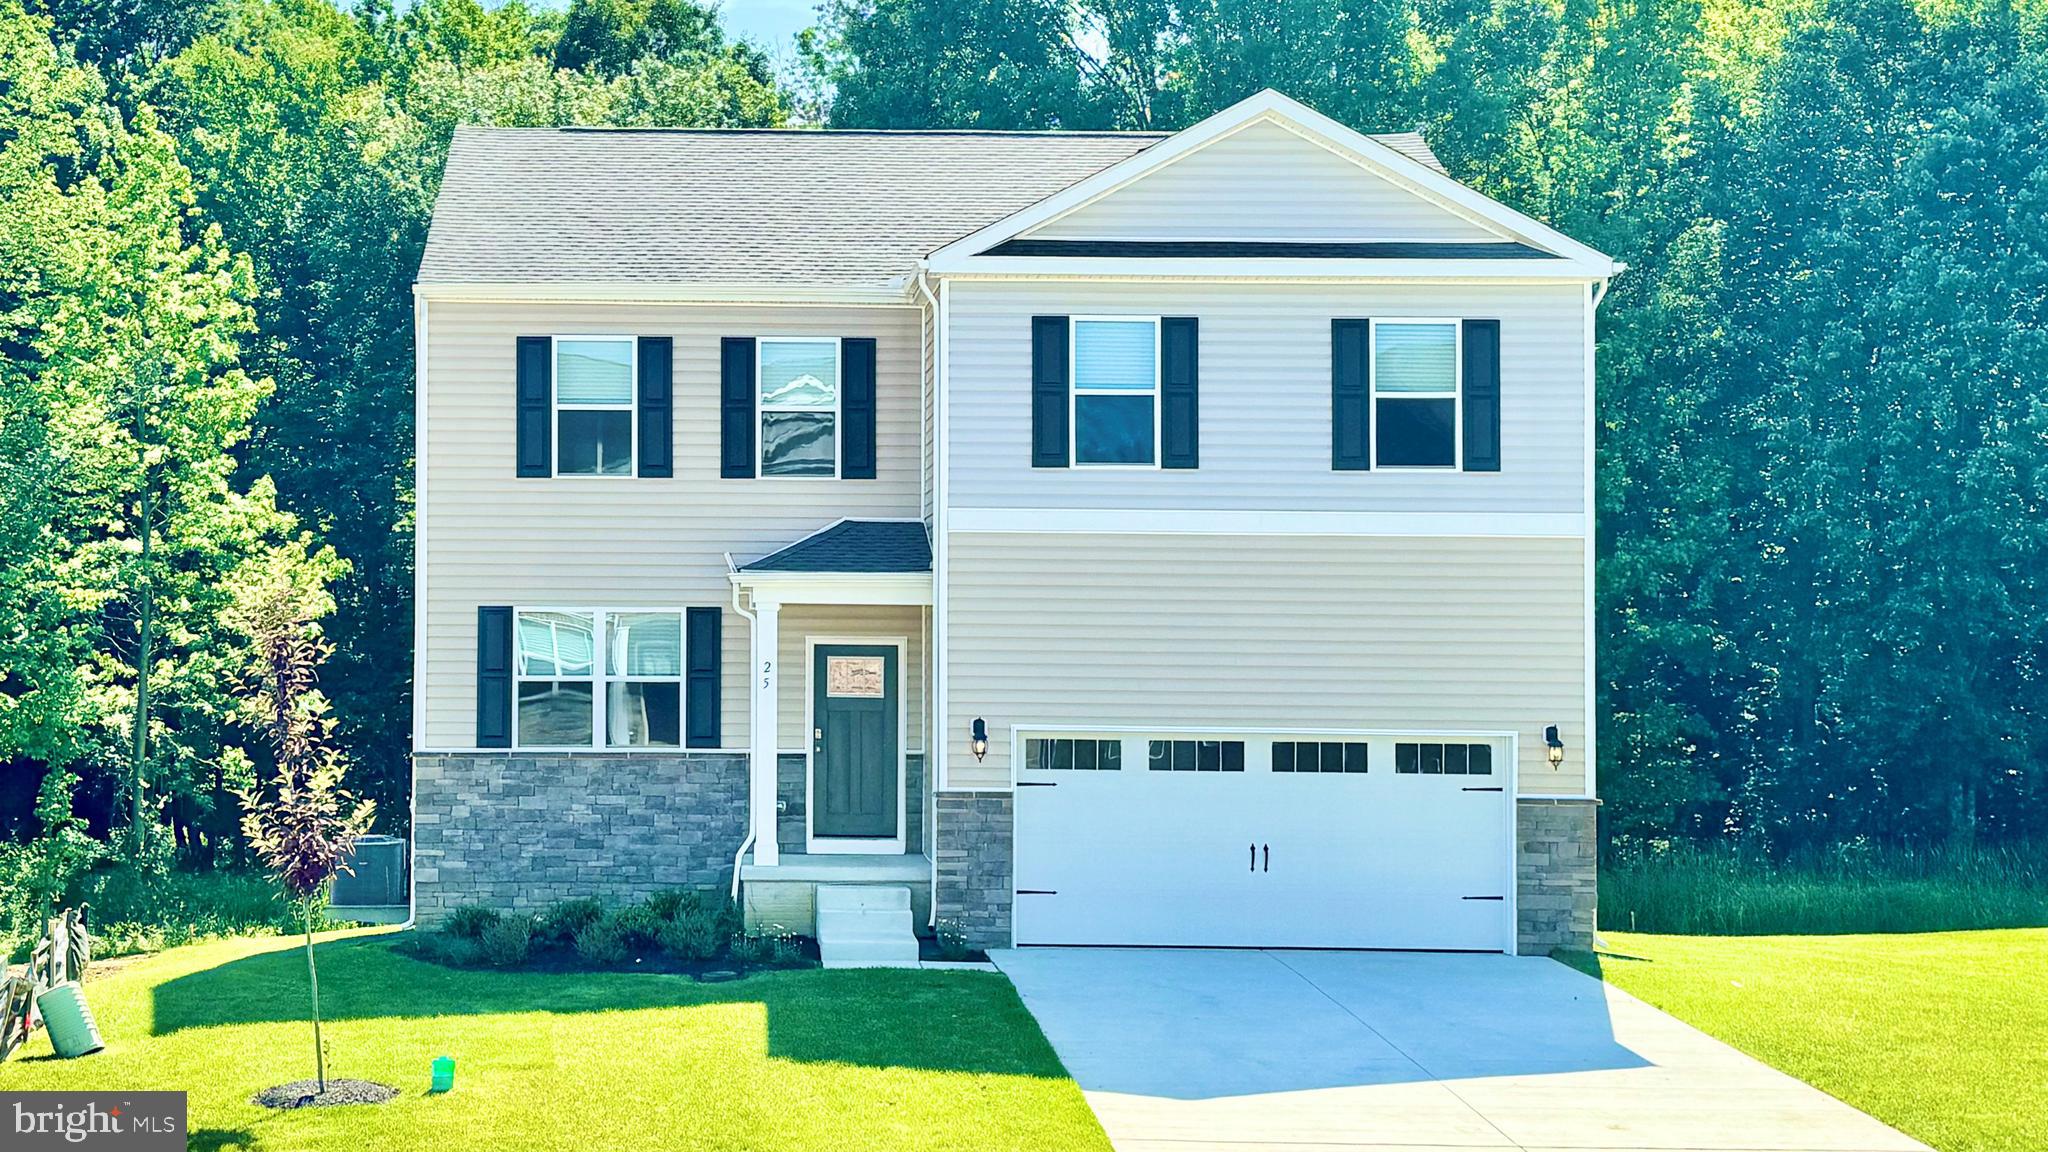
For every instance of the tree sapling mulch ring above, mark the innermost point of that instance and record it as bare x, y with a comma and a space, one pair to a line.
307, 1094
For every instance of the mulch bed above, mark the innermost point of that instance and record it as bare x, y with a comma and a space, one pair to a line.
307, 1094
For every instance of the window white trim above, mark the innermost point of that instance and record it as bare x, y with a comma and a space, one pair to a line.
1457, 393
556, 407
599, 680
856, 845
1075, 391
762, 408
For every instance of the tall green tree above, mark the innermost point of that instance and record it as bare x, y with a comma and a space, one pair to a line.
122, 318
1001, 64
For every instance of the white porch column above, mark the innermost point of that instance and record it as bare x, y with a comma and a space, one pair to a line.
767, 644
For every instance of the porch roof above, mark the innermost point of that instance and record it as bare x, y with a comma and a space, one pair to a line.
866, 547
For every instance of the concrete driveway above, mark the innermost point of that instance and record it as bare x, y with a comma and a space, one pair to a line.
1399, 1052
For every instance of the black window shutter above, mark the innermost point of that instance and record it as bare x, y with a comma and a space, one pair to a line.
701, 708
1482, 395
657, 406
857, 408
1180, 408
534, 397
1049, 392
736, 407
1350, 407
494, 677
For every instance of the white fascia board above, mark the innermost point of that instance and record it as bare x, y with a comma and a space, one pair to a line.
1265, 268
1271, 106
872, 588
529, 292
1196, 522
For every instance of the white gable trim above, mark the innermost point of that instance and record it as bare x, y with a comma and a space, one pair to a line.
1270, 106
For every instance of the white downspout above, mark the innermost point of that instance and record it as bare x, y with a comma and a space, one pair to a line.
747, 843
935, 724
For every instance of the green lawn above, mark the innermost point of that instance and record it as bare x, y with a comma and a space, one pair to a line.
839, 1060
1943, 1035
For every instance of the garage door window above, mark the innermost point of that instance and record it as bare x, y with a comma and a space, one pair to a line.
1318, 756
1197, 755
1444, 759
1074, 755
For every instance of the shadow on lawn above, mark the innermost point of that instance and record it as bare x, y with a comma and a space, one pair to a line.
219, 1139
943, 1021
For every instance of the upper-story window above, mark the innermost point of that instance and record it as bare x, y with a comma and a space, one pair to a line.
1116, 391
594, 409
1415, 394
570, 691
799, 384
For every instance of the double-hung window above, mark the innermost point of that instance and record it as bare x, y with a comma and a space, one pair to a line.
574, 693
799, 391
1415, 393
594, 410
1115, 372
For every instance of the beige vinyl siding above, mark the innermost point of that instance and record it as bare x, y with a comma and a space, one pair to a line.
1266, 632
487, 537
1265, 398
799, 622
1262, 183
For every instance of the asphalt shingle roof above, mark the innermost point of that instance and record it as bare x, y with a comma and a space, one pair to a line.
799, 208
803, 208
854, 546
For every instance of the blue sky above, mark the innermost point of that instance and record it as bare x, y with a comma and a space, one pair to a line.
769, 23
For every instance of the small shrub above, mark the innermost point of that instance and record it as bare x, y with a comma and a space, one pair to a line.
470, 921
445, 948
768, 950
602, 943
562, 921
674, 903
750, 950
637, 926
693, 935
506, 942
952, 941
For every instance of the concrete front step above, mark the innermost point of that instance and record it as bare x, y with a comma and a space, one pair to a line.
865, 926
863, 897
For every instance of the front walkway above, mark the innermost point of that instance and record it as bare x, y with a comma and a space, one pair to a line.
1203, 1051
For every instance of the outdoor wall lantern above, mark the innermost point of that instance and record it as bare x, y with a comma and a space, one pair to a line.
978, 742
1553, 746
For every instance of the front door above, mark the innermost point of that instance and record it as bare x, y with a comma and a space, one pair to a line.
854, 790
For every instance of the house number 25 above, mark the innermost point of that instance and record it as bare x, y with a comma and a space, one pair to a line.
767, 672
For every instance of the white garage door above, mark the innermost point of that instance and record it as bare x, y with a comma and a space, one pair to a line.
1398, 841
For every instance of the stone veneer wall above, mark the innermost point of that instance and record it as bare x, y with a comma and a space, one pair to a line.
789, 789
1557, 856
521, 830
973, 851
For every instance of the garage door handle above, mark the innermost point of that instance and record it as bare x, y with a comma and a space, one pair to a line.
1269, 858
1255, 858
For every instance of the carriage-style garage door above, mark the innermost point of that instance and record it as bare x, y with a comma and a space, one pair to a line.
1310, 842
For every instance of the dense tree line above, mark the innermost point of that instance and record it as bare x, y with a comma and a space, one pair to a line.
1823, 431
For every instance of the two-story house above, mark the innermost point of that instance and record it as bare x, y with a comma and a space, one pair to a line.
1085, 538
